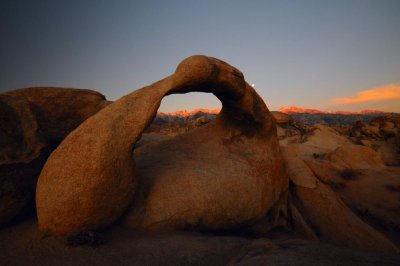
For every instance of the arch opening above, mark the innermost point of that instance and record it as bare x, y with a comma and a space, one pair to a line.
180, 113
189, 101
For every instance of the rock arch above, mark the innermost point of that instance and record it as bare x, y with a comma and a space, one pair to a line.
91, 178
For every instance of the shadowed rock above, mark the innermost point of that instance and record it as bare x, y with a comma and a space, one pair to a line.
331, 220
23, 151
372, 193
281, 118
61, 110
32, 122
225, 174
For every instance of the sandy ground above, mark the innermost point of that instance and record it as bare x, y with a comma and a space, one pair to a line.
22, 244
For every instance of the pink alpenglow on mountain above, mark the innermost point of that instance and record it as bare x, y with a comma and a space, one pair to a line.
186, 113
295, 109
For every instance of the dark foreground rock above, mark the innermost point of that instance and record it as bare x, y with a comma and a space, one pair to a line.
61, 110
22, 244
32, 123
23, 151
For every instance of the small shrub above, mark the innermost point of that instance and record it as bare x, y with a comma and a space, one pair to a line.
320, 156
87, 238
336, 185
349, 174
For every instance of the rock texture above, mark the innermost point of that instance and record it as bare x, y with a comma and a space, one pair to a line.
281, 118
372, 192
381, 134
356, 157
61, 110
326, 214
380, 128
23, 151
326, 137
32, 123
225, 174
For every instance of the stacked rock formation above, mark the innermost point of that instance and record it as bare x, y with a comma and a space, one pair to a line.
382, 134
380, 128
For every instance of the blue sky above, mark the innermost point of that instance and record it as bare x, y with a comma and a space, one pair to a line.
302, 53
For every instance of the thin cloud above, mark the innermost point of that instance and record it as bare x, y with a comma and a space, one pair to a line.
381, 93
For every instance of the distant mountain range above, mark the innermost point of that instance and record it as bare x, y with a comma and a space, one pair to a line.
190, 113
185, 116
299, 110
303, 115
